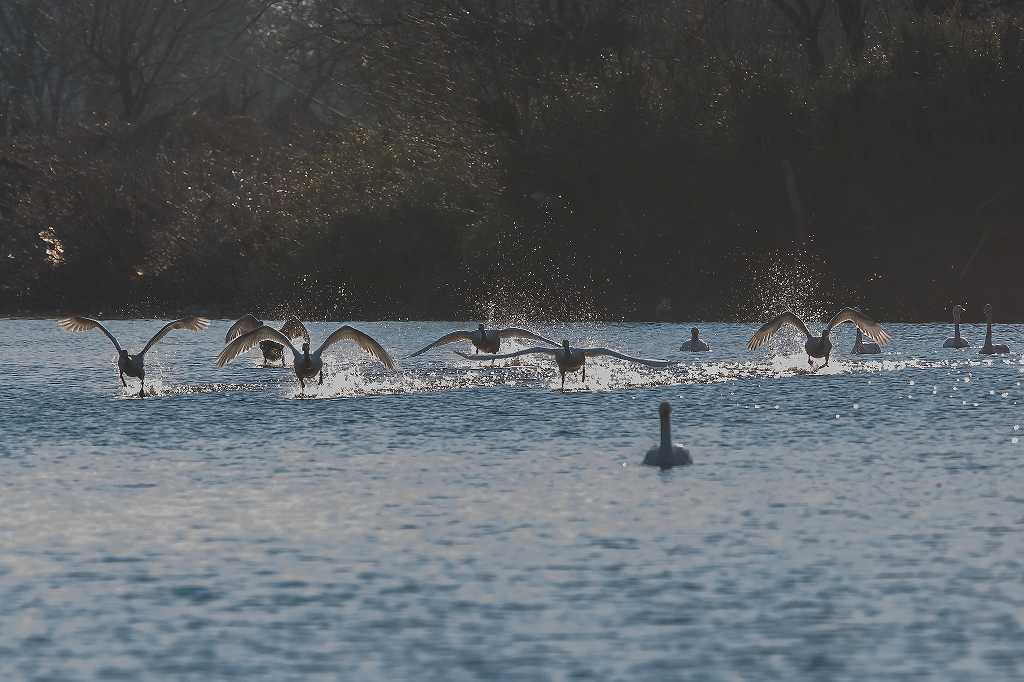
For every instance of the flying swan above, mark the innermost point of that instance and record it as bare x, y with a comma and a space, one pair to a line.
306, 365
667, 455
488, 341
571, 359
956, 341
133, 365
820, 346
272, 351
988, 348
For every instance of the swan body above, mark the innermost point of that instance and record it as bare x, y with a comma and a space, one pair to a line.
305, 363
133, 365
861, 348
485, 340
695, 344
272, 350
571, 359
820, 346
956, 341
989, 348
667, 455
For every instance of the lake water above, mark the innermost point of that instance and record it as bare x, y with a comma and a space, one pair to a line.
452, 521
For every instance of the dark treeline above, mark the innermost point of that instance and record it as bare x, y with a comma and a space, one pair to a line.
643, 159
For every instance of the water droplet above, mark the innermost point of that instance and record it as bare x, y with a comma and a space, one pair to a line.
911, 382
856, 406
837, 416
1015, 440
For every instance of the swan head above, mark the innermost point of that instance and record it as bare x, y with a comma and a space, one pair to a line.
988, 310
305, 348
957, 309
694, 334
565, 345
123, 354
481, 328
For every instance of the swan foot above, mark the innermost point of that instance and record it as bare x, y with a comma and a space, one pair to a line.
321, 381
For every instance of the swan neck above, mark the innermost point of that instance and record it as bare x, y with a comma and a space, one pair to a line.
988, 333
666, 433
956, 328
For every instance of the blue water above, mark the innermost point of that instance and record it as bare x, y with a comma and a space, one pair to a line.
459, 522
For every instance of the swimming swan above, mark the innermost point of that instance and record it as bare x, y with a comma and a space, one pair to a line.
488, 341
861, 348
306, 365
988, 348
667, 455
572, 359
956, 341
695, 344
133, 365
272, 351
820, 346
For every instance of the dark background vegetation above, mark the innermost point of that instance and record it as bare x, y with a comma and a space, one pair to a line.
644, 159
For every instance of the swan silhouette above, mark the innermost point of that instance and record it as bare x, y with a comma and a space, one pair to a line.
695, 344
956, 341
306, 365
571, 359
272, 351
488, 341
667, 455
133, 365
861, 348
988, 348
819, 346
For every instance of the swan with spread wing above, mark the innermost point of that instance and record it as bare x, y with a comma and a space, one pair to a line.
571, 359
272, 350
133, 365
956, 341
306, 364
486, 340
820, 346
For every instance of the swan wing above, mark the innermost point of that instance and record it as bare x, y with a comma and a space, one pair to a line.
450, 337
294, 329
769, 328
515, 354
517, 333
243, 326
591, 352
192, 324
365, 341
81, 324
250, 339
871, 329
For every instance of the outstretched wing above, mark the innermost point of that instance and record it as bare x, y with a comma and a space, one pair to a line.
525, 351
450, 337
871, 329
192, 324
293, 329
81, 324
365, 341
591, 352
246, 341
517, 333
244, 325
769, 328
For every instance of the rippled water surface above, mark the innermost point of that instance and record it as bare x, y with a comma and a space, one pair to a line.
454, 521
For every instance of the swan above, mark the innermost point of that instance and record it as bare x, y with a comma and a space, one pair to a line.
820, 346
306, 365
571, 359
667, 455
956, 341
861, 348
272, 351
488, 341
133, 365
695, 344
988, 348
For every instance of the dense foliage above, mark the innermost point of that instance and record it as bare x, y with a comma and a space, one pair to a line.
645, 159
